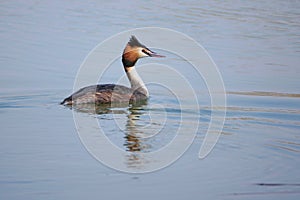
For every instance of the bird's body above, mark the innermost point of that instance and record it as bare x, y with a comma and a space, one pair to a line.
111, 93
103, 94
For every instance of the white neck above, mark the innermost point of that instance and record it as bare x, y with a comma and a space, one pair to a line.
136, 81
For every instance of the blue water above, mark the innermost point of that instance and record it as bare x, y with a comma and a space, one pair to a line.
256, 48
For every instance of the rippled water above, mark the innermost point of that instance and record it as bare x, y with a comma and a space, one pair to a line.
256, 47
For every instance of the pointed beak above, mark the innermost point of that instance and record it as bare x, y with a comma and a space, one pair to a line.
153, 54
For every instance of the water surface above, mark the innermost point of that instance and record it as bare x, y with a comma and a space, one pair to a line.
256, 47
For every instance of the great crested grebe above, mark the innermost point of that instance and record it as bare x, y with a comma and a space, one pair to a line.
111, 93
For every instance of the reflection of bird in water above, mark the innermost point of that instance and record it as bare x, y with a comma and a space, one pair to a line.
108, 93
119, 108
133, 141
132, 130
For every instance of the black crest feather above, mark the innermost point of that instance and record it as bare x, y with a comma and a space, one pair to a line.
133, 42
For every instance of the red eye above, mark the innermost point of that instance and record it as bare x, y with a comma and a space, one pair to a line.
145, 52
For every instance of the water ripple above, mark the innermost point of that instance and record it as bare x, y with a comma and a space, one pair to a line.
268, 94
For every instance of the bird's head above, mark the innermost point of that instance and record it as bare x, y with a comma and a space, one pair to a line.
134, 50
